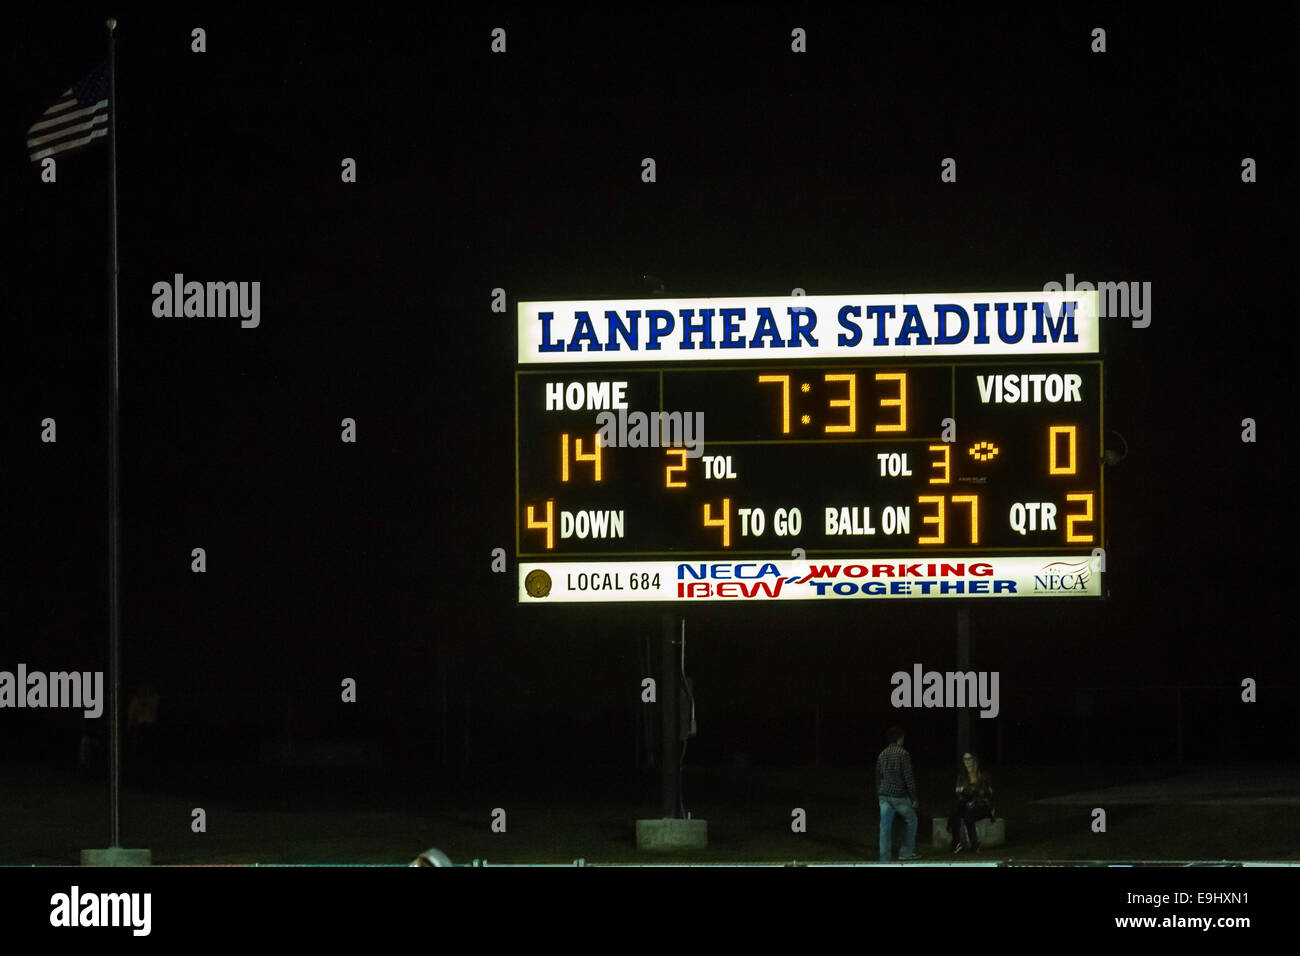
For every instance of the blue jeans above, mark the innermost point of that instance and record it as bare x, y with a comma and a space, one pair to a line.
888, 807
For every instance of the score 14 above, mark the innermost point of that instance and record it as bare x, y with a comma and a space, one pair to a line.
578, 455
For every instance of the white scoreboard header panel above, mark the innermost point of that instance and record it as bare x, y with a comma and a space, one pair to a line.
790, 328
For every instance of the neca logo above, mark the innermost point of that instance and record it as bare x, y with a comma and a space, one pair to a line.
1062, 576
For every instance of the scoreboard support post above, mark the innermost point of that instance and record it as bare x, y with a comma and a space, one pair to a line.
670, 746
963, 666
671, 831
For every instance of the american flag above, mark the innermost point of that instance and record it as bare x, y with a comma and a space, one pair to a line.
78, 119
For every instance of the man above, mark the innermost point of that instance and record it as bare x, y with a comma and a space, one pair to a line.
896, 788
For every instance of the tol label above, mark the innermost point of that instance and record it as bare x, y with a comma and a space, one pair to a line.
717, 466
893, 465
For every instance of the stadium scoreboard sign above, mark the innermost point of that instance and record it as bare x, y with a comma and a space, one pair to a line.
809, 448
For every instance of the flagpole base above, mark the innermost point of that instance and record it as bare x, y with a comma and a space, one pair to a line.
672, 833
116, 856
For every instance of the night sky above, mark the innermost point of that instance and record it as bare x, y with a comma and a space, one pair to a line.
522, 171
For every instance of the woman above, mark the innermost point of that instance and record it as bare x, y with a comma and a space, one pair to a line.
974, 802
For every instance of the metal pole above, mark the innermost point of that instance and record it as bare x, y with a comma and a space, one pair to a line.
1179, 692
636, 713
671, 766
963, 664
467, 728
444, 741
817, 735
114, 498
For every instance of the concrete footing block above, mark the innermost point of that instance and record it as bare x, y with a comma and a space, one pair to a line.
671, 834
990, 832
116, 856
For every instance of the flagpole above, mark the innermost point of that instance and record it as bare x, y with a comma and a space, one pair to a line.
115, 855
114, 499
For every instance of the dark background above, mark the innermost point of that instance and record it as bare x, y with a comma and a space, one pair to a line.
522, 171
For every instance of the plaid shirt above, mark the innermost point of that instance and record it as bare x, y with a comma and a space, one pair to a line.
894, 773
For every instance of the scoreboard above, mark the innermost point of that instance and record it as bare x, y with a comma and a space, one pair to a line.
810, 448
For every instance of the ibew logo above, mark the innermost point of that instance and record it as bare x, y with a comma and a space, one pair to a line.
1062, 576
742, 580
